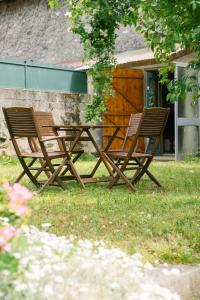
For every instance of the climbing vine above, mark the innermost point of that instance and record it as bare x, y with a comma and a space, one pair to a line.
165, 24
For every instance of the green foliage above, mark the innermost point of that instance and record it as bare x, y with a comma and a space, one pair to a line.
166, 25
8, 262
101, 73
8, 265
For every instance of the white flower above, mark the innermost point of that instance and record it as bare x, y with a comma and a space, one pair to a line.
85, 218
48, 290
4, 220
46, 225
20, 287
103, 33
68, 14
88, 28
69, 29
54, 267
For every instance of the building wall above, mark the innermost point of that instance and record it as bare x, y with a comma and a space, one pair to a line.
29, 30
66, 109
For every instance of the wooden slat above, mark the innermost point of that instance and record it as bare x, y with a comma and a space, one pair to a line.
153, 122
128, 73
20, 121
45, 119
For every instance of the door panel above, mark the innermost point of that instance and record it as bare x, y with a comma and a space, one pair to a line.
128, 99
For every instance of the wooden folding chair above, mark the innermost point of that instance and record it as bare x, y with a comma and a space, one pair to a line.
150, 124
44, 119
134, 122
22, 123
132, 126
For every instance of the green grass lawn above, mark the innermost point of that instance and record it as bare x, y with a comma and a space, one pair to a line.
161, 223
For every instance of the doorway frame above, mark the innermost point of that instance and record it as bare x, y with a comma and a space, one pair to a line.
181, 121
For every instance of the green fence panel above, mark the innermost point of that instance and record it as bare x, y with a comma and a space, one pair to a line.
50, 78
12, 75
31, 75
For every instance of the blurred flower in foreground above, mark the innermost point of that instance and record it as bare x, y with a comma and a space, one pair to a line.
18, 196
6, 234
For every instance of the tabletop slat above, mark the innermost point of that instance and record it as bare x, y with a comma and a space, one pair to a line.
86, 126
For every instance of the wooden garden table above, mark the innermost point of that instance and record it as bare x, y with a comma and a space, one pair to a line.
85, 133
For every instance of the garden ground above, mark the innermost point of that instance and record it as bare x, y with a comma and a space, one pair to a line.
162, 224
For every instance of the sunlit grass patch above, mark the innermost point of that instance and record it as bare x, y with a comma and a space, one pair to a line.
161, 223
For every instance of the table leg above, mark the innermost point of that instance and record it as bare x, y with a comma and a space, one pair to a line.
101, 158
105, 149
76, 140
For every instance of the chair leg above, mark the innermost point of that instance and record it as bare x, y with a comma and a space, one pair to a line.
144, 169
75, 173
116, 178
119, 174
23, 172
28, 173
55, 173
153, 178
43, 165
54, 176
74, 160
95, 168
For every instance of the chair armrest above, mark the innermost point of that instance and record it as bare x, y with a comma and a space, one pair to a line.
60, 137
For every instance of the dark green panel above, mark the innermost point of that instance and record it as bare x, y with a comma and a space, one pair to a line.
79, 82
32, 75
12, 75
55, 79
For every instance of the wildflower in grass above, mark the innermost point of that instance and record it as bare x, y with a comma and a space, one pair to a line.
68, 14
46, 225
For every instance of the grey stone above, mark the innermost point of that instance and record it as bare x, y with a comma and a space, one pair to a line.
66, 109
30, 30
181, 279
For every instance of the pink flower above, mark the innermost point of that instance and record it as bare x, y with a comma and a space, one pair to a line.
18, 195
6, 234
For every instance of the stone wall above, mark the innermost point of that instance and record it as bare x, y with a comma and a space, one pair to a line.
29, 30
66, 109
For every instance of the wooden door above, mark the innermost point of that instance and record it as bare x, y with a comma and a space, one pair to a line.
128, 99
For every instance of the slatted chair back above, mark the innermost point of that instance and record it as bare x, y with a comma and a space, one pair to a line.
134, 122
45, 119
20, 122
153, 122
151, 125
